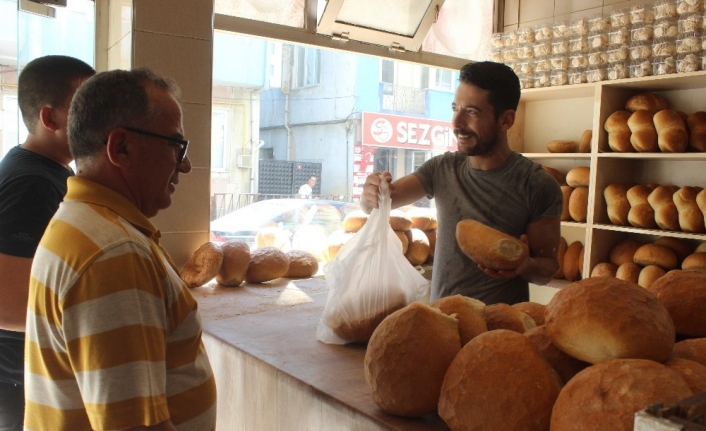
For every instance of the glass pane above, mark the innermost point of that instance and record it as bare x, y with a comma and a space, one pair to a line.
463, 29
327, 118
392, 16
284, 12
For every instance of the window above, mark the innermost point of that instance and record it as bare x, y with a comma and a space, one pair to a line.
443, 79
219, 147
387, 71
307, 66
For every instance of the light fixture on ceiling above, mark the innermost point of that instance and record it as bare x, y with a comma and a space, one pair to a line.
398, 24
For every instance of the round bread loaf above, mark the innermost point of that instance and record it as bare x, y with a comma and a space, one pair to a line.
579, 176
559, 146
566, 192
585, 141
672, 136
629, 271
431, 236
422, 218
504, 316
418, 249
203, 265
649, 274
693, 373
691, 219
236, 258
499, 381
618, 132
404, 239
697, 131
565, 365
302, 264
695, 261
647, 101
606, 396
604, 269
578, 204
683, 294
603, 318
693, 349
643, 135
355, 220
641, 213
571, 261
653, 254
490, 247
399, 220
561, 252
535, 310
555, 173
679, 246
335, 242
666, 214
312, 239
624, 251
416, 334
266, 264
617, 203
469, 312
273, 236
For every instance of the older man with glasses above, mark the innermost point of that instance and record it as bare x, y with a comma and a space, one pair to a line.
113, 334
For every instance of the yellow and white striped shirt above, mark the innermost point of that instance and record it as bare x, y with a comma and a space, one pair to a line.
113, 334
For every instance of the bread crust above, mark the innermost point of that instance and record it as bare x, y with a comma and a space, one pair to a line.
578, 204
504, 316
203, 265
236, 258
618, 132
643, 135
562, 146
585, 141
672, 136
490, 247
399, 220
629, 271
604, 269
579, 176
418, 248
655, 254
697, 131
683, 293
470, 313
566, 366
266, 264
624, 251
691, 219
693, 349
617, 203
571, 261
302, 264
666, 214
646, 101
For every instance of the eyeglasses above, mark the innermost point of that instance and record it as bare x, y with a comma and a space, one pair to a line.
182, 144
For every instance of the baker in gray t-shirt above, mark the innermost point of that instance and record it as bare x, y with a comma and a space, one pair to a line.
486, 181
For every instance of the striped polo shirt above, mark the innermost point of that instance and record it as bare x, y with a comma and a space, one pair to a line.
113, 334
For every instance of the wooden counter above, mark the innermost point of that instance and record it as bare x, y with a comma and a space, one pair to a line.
273, 374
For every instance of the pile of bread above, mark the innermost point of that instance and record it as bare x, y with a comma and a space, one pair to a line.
415, 228
650, 206
569, 146
232, 262
644, 262
599, 351
574, 188
648, 125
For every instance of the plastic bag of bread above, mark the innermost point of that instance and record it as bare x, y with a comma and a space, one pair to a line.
368, 280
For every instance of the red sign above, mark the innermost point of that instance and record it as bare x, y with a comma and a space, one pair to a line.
363, 165
384, 130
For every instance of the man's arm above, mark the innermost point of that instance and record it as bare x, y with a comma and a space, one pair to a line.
403, 191
14, 290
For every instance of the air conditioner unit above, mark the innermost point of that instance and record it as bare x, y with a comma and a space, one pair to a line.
245, 161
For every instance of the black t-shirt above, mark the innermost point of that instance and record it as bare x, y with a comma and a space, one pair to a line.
31, 189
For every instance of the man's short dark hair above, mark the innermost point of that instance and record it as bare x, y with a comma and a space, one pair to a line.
499, 79
48, 81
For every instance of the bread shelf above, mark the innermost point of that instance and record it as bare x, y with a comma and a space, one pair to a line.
565, 112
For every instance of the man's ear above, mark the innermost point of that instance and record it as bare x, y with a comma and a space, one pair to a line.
507, 119
47, 120
117, 148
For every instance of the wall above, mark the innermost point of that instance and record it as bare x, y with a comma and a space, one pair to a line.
520, 13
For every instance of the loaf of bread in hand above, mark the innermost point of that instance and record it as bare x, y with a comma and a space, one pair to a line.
617, 203
618, 132
697, 131
672, 136
641, 213
691, 219
666, 214
490, 247
643, 135
647, 101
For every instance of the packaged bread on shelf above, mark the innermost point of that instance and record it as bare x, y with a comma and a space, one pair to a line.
617, 203
562, 146
566, 196
236, 258
490, 247
650, 102
618, 132
602, 318
649, 274
624, 251
203, 265
697, 131
683, 293
469, 312
643, 135
672, 136
666, 214
691, 219
578, 176
578, 204
654, 254
641, 213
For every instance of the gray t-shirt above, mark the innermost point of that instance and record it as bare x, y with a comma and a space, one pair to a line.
507, 198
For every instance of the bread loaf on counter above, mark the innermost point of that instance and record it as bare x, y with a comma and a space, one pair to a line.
266, 264
418, 248
697, 131
354, 221
490, 247
236, 258
399, 220
203, 265
643, 135
672, 136
504, 316
422, 218
469, 312
302, 264
618, 132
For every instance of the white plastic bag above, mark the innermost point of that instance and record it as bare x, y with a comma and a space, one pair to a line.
369, 279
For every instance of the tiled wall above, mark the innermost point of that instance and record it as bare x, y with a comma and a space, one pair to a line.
530, 13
